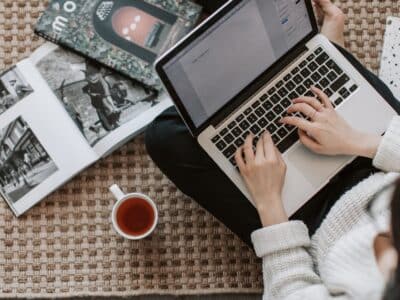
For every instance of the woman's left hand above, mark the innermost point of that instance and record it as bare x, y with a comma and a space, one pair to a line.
264, 174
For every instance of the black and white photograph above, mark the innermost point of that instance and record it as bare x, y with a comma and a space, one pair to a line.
97, 99
13, 88
24, 163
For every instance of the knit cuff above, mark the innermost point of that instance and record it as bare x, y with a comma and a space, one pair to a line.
280, 237
387, 157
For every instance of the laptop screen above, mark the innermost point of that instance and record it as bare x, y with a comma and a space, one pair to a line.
232, 53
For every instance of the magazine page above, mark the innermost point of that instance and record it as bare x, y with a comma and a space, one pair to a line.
126, 35
106, 106
40, 148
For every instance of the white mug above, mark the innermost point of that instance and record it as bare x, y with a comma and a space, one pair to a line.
121, 198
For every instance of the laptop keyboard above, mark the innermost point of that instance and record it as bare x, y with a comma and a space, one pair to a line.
264, 113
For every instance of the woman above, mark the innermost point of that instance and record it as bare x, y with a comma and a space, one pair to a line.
353, 253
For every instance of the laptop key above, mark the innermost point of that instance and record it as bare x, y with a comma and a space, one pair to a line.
244, 125
215, 139
282, 132
295, 71
341, 81
323, 70
305, 72
278, 109
270, 116
256, 104
287, 77
338, 101
255, 129
231, 124
264, 97
267, 105
328, 92
275, 139
245, 134
233, 161
228, 152
221, 145
311, 57
290, 85
298, 79
275, 98
282, 92
301, 90
309, 94
324, 82
239, 142
293, 95
228, 138
279, 84
318, 50
223, 131
271, 91
239, 118
252, 118
237, 131
286, 103
271, 128
332, 65
323, 57
344, 93
353, 88
308, 83
303, 64
263, 122
316, 77
260, 112
313, 66
247, 111
332, 76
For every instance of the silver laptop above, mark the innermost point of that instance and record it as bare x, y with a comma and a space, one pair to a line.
237, 73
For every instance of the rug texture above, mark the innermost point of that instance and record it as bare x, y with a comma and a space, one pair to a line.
65, 246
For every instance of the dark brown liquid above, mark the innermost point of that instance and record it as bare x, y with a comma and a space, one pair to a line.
135, 216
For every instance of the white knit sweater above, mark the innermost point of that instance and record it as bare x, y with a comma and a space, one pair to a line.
338, 261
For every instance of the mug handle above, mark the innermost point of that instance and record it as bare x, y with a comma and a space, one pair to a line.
116, 191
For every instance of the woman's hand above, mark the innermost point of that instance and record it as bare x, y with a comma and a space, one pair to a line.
264, 174
327, 132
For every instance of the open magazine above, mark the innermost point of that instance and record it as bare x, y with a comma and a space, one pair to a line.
60, 113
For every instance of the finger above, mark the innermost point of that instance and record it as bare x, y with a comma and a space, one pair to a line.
269, 147
308, 141
300, 123
310, 101
260, 154
321, 95
304, 108
239, 159
248, 149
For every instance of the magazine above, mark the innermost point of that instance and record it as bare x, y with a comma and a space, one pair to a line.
60, 113
390, 61
126, 35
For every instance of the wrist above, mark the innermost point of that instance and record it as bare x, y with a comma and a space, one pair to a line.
366, 145
272, 212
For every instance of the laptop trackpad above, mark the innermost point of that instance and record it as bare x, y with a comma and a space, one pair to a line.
317, 169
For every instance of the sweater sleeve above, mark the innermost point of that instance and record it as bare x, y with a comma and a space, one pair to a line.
387, 157
287, 265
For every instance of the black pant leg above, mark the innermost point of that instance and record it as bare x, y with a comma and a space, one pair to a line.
179, 156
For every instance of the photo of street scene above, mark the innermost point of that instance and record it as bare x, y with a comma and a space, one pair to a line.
24, 163
13, 88
97, 99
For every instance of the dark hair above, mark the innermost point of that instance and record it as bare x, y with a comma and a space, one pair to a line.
393, 288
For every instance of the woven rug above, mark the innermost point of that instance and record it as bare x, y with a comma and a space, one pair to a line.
65, 246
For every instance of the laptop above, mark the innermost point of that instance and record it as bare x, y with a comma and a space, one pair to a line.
237, 73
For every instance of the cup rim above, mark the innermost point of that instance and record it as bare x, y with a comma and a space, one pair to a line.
118, 204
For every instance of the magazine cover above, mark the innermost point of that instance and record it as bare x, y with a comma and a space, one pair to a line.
127, 35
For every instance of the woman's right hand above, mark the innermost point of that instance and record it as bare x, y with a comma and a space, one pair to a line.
327, 132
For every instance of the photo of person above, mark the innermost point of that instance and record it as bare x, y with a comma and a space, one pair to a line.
24, 163
97, 99
13, 88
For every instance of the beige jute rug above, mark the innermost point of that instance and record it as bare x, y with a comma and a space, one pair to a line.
65, 246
